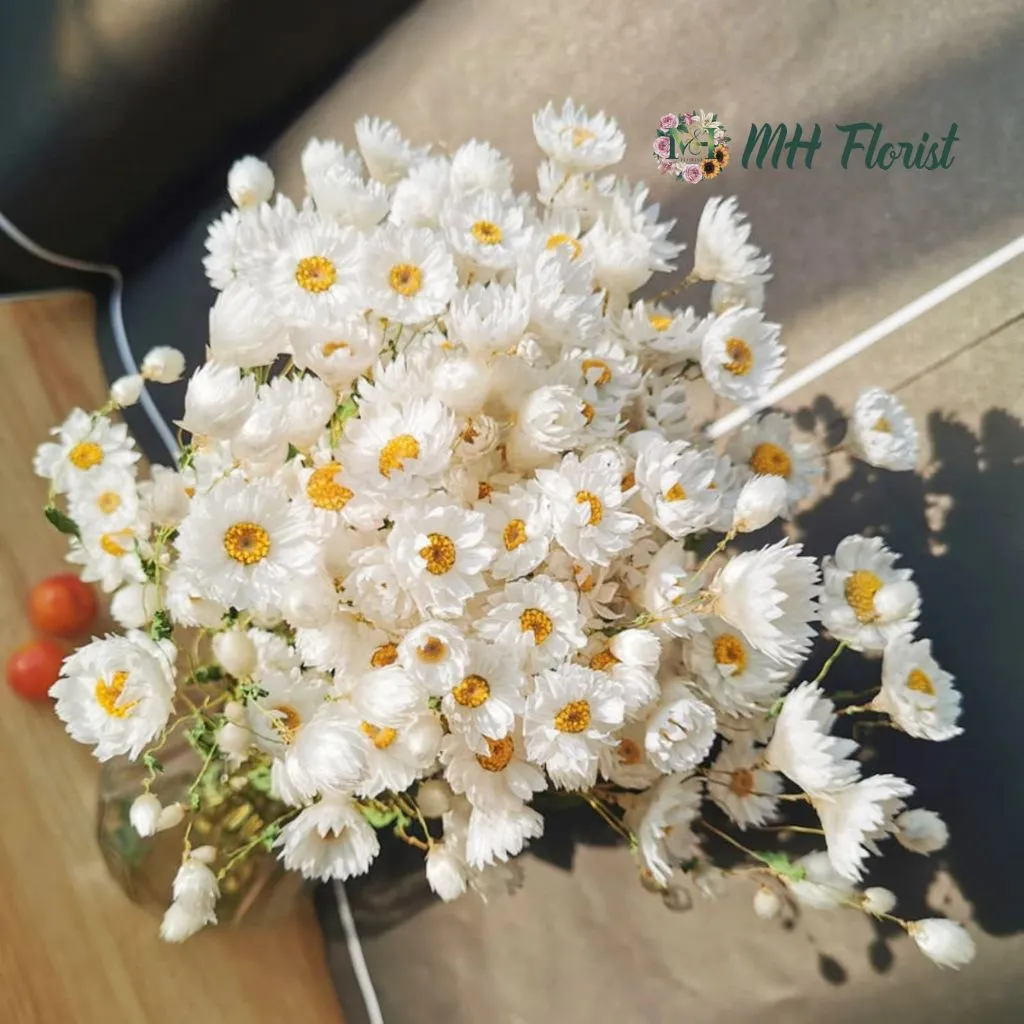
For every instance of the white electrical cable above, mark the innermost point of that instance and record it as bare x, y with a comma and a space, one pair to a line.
355, 954
841, 353
355, 949
116, 319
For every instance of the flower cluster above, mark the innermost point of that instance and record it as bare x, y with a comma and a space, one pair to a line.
692, 147
449, 540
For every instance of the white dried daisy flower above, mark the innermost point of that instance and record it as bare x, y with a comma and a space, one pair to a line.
722, 252
921, 831
916, 693
746, 792
882, 432
943, 942
250, 182
577, 141
329, 839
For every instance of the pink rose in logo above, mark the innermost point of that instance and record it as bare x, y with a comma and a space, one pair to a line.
666, 165
688, 119
662, 146
692, 173
668, 122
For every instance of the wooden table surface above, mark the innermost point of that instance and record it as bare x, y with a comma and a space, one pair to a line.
73, 949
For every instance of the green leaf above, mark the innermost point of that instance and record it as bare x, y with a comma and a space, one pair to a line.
161, 627
782, 865
259, 779
293, 452
269, 835
185, 457
346, 410
63, 522
776, 708
208, 674
152, 764
380, 817
193, 801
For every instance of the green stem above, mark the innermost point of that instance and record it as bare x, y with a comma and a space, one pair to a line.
840, 647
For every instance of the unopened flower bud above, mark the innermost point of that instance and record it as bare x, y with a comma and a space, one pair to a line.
235, 652
767, 903
434, 798
171, 815
125, 391
761, 499
310, 604
877, 900
163, 365
144, 814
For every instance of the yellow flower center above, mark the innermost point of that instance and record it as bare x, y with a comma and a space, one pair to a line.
629, 481
286, 721
660, 322
472, 691
315, 274
675, 493
574, 717
581, 135
486, 232
85, 455
469, 433
860, 589
432, 650
247, 543
629, 752
499, 754
395, 452
108, 502
406, 279
386, 654
483, 490
439, 553
596, 509
882, 425
533, 620
561, 238
111, 545
588, 412
742, 782
741, 358
514, 534
328, 348
919, 682
603, 660
770, 460
108, 694
729, 650
324, 491
605, 372
380, 738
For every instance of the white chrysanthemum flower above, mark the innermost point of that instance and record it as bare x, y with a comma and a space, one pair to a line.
586, 195
116, 694
218, 401
539, 617
761, 500
856, 815
626, 210
444, 551
559, 229
374, 584
745, 791
387, 154
134, 605
338, 353
478, 166
243, 329
822, 887
668, 587
767, 447
195, 893
484, 229
882, 432
397, 756
943, 942
606, 371
290, 700
327, 754
434, 654
622, 258
346, 198
418, 198
675, 483
408, 275
570, 717
108, 558
242, 543
105, 500
921, 831
665, 407
313, 274
867, 601
741, 356
222, 249
595, 591
674, 334
803, 749
769, 595
330, 839
495, 776
303, 405
631, 657
85, 443
519, 528
626, 764
576, 141
327, 489
737, 678
488, 319
186, 607
586, 500
559, 292
550, 420
496, 836
918, 695
318, 155
680, 730
398, 451
250, 182
484, 703
662, 823
722, 252
166, 496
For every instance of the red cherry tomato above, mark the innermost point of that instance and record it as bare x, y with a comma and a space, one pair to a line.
62, 605
34, 667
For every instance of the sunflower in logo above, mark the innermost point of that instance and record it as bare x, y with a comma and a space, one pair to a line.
710, 168
722, 157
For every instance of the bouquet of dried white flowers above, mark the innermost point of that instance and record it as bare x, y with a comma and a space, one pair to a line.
448, 539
